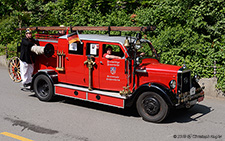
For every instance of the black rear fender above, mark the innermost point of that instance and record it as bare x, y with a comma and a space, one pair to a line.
51, 74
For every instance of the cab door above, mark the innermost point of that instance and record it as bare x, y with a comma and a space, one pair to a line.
74, 64
112, 71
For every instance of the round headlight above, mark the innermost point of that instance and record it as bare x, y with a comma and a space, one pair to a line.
172, 84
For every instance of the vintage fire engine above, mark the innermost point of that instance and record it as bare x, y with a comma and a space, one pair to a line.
73, 65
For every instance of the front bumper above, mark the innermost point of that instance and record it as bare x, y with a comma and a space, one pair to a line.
187, 99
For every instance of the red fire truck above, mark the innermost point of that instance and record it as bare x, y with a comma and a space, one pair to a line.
73, 65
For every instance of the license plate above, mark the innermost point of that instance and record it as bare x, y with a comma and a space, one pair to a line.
192, 91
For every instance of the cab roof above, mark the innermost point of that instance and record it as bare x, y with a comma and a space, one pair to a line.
107, 38
101, 38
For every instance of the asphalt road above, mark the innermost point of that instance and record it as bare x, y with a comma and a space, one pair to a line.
23, 117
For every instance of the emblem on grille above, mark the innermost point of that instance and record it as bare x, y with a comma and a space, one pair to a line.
185, 80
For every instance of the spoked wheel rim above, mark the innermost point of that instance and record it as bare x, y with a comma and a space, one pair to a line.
43, 88
14, 69
151, 105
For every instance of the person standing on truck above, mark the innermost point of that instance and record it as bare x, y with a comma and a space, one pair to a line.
27, 59
109, 55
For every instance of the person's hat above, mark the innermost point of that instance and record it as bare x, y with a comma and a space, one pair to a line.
28, 30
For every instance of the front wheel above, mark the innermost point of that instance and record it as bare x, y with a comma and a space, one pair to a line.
43, 88
152, 107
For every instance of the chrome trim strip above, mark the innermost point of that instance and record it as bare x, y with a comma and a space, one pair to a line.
46, 70
138, 70
86, 95
110, 94
52, 41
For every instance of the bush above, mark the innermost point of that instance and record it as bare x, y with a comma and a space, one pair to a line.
188, 32
12, 48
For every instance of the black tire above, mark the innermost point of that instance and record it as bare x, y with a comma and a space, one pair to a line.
43, 88
152, 107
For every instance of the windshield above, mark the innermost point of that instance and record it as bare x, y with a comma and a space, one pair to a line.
148, 49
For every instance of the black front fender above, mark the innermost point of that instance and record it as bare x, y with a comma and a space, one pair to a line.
160, 89
51, 74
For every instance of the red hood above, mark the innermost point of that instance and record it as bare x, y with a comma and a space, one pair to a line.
152, 65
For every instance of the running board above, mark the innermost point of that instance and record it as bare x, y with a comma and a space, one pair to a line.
97, 96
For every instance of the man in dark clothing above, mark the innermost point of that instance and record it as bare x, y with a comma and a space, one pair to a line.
27, 58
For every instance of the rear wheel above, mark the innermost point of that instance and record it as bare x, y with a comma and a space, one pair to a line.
152, 107
43, 88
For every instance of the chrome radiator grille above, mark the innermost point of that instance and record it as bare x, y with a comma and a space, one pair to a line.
184, 81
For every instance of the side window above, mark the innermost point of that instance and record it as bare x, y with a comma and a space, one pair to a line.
92, 49
116, 50
76, 48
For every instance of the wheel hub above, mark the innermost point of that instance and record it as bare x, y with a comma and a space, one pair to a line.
151, 106
15, 69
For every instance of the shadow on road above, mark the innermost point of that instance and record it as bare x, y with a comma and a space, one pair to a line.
179, 116
184, 115
95, 106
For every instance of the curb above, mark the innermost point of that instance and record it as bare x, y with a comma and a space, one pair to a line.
210, 87
3, 61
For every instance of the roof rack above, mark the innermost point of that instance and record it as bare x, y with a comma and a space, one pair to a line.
40, 35
92, 28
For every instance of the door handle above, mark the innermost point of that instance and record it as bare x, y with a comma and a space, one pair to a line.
101, 62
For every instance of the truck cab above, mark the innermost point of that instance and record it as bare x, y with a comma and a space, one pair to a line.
78, 69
